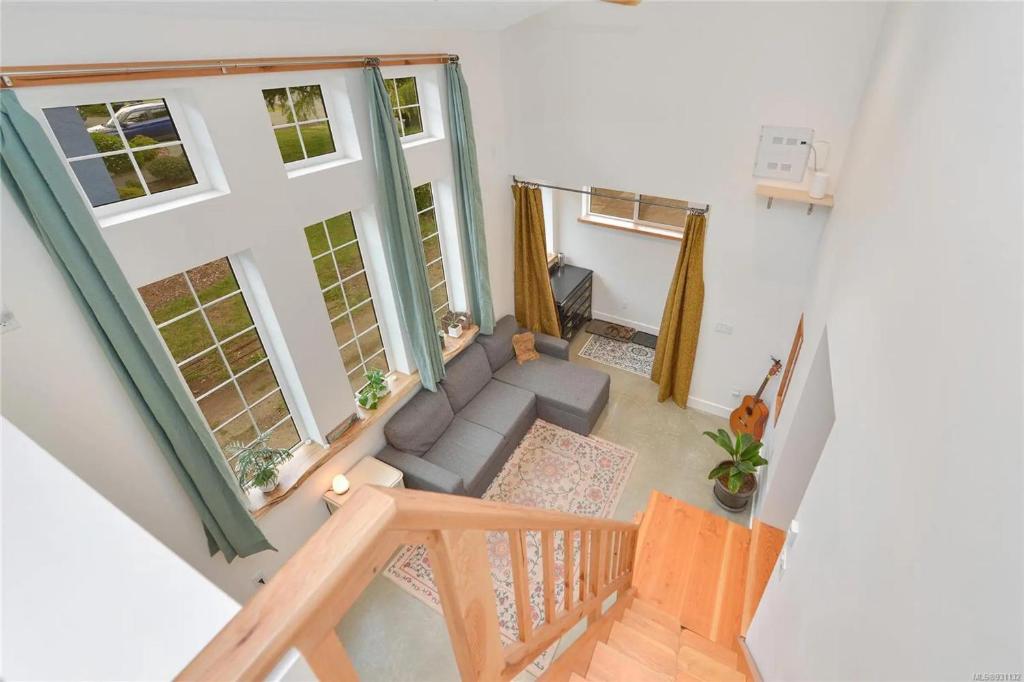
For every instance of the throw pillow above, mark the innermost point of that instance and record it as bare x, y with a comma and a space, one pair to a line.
523, 345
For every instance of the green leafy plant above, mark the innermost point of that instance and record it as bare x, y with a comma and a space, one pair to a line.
744, 453
120, 163
170, 168
376, 388
257, 464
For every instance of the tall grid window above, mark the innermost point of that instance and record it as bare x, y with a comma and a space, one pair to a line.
338, 262
205, 322
405, 105
122, 150
300, 123
432, 252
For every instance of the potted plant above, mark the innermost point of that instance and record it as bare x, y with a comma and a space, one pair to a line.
734, 478
257, 465
375, 390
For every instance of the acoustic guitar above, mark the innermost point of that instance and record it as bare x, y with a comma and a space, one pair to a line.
752, 414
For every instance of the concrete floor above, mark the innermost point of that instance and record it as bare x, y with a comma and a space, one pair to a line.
392, 636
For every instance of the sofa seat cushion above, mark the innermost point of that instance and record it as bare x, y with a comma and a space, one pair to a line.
420, 422
498, 345
568, 395
468, 450
503, 408
466, 375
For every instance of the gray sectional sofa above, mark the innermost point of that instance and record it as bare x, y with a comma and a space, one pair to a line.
457, 439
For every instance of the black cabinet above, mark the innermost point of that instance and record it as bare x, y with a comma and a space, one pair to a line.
573, 291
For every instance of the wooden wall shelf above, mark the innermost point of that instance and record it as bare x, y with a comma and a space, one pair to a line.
793, 194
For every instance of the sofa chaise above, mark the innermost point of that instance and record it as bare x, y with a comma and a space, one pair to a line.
457, 439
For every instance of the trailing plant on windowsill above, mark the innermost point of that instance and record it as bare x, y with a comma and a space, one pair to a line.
745, 457
257, 465
375, 390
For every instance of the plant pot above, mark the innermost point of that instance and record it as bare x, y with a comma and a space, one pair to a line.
455, 330
270, 485
738, 501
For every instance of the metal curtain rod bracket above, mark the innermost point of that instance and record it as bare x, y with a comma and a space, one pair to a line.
690, 209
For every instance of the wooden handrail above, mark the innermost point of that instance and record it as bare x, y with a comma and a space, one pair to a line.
303, 603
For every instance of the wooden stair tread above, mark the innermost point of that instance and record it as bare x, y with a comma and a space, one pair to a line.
714, 650
611, 665
647, 651
705, 668
574, 677
653, 612
660, 633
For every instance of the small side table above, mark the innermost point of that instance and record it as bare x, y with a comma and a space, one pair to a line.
367, 471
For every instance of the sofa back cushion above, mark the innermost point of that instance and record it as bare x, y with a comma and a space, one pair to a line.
466, 375
499, 344
421, 421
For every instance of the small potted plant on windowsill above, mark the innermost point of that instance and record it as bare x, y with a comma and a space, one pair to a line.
375, 390
257, 465
734, 478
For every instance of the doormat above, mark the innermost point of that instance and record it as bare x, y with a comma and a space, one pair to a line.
611, 330
552, 468
646, 340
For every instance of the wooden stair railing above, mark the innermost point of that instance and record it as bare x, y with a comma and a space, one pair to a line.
303, 603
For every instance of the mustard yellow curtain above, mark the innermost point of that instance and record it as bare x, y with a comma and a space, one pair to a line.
535, 304
680, 323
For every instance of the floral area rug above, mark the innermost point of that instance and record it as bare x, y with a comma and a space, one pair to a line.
553, 468
631, 357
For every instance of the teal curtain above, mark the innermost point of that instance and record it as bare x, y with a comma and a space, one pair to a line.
403, 249
43, 189
469, 201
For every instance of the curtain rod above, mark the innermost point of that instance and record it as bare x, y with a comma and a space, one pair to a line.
689, 208
60, 74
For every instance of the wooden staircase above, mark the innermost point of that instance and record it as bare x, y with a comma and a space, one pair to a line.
646, 644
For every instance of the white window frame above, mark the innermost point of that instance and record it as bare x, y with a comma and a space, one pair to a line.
423, 240
635, 221
185, 137
282, 385
306, 162
423, 134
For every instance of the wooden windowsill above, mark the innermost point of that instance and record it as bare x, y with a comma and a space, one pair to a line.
311, 456
630, 226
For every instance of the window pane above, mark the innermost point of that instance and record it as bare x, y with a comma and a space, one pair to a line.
213, 280
269, 411
228, 317
370, 343
357, 290
308, 102
288, 143
438, 296
97, 182
284, 436
316, 238
145, 122
317, 138
204, 373
435, 273
276, 101
343, 330
350, 261
82, 130
432, 249
412, 122
379, 361
325, 271
244, 351
124, 177
240, 430
407, 91
364, 317
257, 382
335, 302
221, 405
165, 168
424, 197
392, 92
428, 223
610, 202
167, 298
672, 213
187, 336
350, 356
341, 229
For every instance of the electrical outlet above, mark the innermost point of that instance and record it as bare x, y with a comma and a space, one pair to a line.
723, 328
735, 393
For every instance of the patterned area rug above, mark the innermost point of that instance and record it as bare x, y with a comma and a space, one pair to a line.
631, 357
552, 468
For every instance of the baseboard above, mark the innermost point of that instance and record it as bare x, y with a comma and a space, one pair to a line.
708, 407
629, 323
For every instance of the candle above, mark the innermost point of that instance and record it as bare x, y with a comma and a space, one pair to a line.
340, 484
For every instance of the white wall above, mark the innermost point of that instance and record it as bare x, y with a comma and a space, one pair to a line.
57, 385
668, 99
908, 563
88, 594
